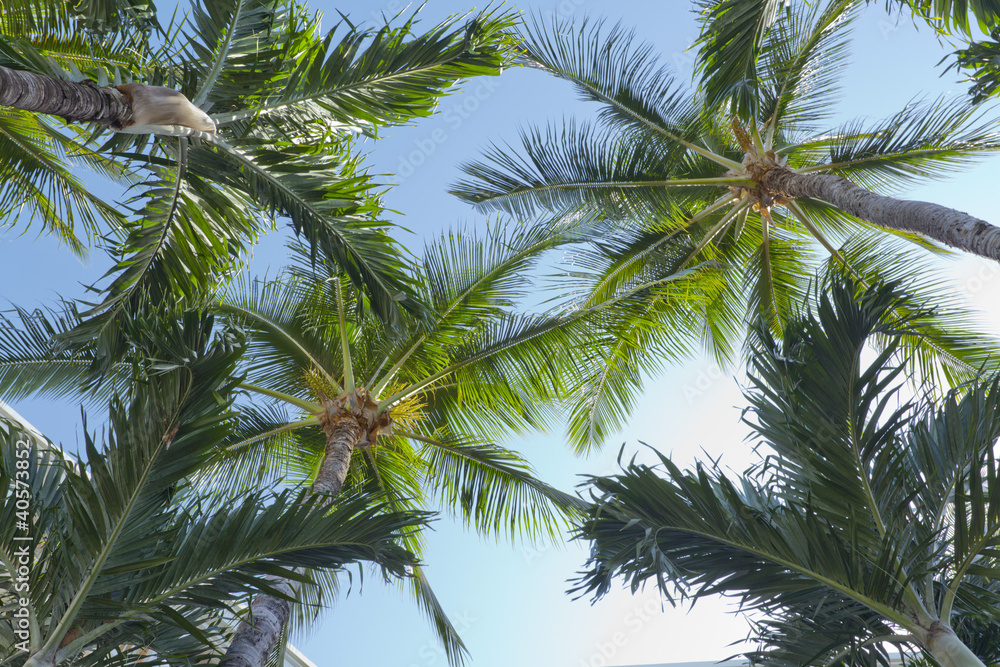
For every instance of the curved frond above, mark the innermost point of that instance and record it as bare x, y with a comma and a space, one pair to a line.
867, 511
493, 488
979, 60
636, 92
731, 36
799, 65
39, 185
924, 141
955, 14
563, 170
387, 76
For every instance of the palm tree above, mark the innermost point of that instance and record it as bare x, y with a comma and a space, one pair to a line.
413, 413
681, 185
289, 104
871, 521
663, 153
117, 560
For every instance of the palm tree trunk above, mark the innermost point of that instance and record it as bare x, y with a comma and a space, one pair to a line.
954, 228
342, 435
255, 641
79, 102
948, 650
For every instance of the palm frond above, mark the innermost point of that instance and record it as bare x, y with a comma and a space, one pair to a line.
283, 345
872, 510
454, 648
238, 46
924, 141
330, 201
493, 488
799, 65
636, 92
945, 344
30, 366
187, 236
40, 187
468, 281
386, 76
978, 60
731, 37
510, 369
955, 14
563, 170
267, 447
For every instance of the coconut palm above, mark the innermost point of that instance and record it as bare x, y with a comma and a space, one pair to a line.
116, 559
681, 186
768, 152
871, 522
414, 413
288, 102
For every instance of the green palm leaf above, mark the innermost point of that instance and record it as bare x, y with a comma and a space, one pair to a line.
386, 76
956, 14
126, 544
843, 537
578, 167
928, 140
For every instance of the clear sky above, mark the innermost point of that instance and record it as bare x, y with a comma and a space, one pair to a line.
509, 600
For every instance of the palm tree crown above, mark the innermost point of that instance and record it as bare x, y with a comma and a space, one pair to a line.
683, 184
289, 103
870, 523
118, 560
413, 413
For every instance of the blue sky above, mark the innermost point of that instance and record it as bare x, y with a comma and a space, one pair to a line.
509, 599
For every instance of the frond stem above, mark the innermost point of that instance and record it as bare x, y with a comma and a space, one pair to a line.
714, 157
714, 206
274, 327
345, 346
681, 182
220, 60
285, 428
719, 227
818, 235
314, 408
948, 601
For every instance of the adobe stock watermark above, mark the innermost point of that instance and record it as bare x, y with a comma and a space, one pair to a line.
455, 115
706, 378
632, 624
567, 7
984, 274
431, 652
21, 555
887, 27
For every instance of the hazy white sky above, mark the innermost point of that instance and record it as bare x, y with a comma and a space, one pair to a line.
508, 600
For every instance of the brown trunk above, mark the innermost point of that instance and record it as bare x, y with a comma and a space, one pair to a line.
951, 227
147, 108
254, 641
79, 102
342, 434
